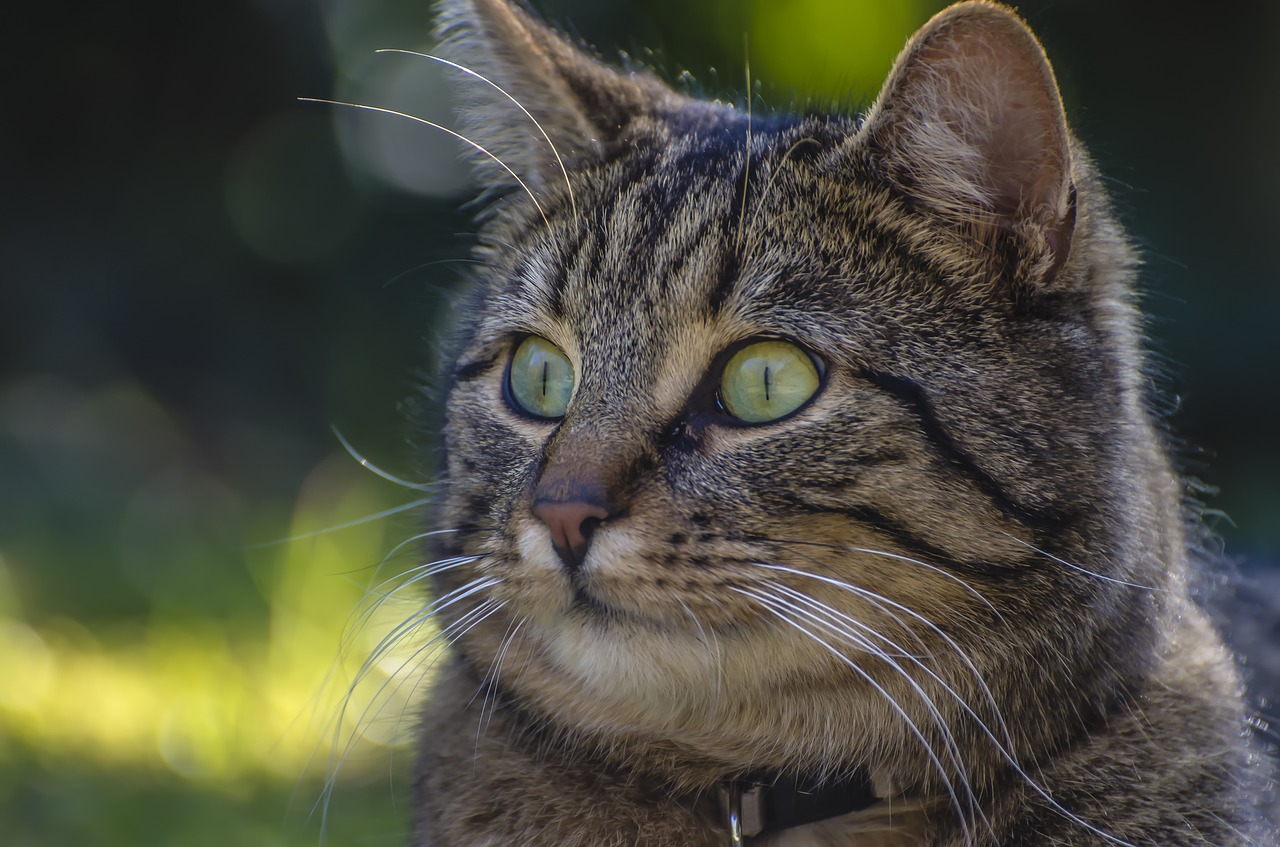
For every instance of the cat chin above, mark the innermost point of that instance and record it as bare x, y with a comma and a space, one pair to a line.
660, 673
673, 679
629, 655
741, 705
611, 648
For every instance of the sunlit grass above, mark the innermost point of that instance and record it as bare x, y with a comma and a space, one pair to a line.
215, 709
215, 702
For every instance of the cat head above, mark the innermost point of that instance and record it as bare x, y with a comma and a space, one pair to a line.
764, 431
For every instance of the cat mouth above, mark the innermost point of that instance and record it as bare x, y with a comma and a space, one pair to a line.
587, 605
584, 601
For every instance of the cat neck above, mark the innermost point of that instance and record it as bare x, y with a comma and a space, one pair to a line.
764, 803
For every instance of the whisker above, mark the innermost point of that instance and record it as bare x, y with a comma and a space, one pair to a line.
443, 129
1078, 568
1005, 752
370, 466
439, 289
710, 643
455, 596
773, 176
376, 516
746, 169
1005, 748
449, 635
444, 638
402, 630
489, 707
778, 607
832, 619
831, 622
551, 144
870, 631
410, 540
899, 557
410, 578
351, 631
877, 598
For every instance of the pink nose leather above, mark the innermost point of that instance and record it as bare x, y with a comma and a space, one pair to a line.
570, 523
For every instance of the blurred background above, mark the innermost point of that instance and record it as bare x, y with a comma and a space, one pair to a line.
204, 281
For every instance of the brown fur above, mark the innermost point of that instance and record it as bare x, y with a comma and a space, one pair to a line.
977, 489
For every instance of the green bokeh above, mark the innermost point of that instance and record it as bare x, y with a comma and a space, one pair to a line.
829, 51
196, 283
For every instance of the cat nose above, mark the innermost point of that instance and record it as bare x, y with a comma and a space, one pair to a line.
571, 523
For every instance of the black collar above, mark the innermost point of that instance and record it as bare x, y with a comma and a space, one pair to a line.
765, 802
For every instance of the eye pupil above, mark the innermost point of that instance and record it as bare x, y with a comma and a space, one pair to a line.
767, 380
540, 378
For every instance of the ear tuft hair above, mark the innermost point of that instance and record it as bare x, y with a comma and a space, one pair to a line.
582, 107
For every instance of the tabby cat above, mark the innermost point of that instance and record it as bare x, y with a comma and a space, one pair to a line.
801, 482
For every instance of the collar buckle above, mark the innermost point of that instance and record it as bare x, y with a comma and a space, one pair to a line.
763, 802
742, 809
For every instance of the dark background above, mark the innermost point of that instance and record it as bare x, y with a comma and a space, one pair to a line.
199, 276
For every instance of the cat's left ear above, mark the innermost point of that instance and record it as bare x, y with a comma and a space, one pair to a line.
582, 107
970, 126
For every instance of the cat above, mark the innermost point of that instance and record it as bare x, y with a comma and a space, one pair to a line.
801, 484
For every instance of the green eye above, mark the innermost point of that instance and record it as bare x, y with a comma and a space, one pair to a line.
767, 380
541, 378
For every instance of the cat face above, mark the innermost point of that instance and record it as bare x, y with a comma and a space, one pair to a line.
792, 421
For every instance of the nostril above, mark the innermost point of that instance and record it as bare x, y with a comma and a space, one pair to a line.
571, 524
588, 527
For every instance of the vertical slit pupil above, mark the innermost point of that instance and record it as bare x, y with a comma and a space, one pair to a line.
545, 366
766, 383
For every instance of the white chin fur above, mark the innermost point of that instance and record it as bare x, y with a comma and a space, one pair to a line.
656, 672
649, 667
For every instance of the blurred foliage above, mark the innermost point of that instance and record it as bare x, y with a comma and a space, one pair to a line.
199, 275
167, 646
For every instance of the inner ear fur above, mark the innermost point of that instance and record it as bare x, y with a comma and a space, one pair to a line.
971, 127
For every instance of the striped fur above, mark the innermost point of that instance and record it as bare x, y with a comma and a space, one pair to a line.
962, 566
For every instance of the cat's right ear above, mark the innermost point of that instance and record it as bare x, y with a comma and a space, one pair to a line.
577, 107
